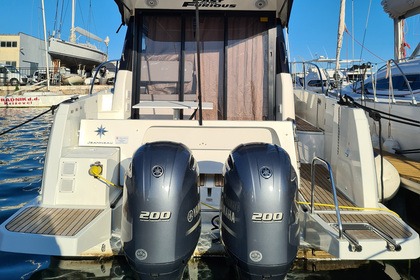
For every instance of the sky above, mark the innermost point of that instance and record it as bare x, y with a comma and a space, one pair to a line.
100, 17
312, 28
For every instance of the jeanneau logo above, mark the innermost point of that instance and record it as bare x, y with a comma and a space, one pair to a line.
101, 131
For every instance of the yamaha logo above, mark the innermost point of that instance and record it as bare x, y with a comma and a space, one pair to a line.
141, 254
157, 171
265, 172
190, 216
152, 3
261, 4
255, 256
193, 213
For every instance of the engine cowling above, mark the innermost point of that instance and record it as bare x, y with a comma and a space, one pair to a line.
259, 219
161, 212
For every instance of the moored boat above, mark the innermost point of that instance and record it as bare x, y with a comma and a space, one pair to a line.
72, 53
197, 151
394, 93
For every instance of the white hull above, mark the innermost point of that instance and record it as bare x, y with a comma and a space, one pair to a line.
314, 108
75, 54
125, 176
407, 137
399, 102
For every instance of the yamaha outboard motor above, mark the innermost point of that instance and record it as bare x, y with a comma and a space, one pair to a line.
161, 211
259, 219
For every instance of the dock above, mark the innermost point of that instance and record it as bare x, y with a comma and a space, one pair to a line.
408, 169
64, 89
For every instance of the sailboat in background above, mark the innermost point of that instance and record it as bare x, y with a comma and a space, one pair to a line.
73, 54
30, 99
395, 89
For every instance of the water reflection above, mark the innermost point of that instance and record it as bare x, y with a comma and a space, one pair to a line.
218, 268
118, 268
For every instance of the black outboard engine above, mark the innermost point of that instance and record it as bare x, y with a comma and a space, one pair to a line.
259, 219
161, 211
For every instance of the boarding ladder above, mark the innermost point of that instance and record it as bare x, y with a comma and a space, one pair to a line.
345, 229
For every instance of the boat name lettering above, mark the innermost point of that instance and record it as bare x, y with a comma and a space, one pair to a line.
209, 4
228, 214
155, 216
267, 217
18, 100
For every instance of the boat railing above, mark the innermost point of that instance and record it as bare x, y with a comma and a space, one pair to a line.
388, 64
92, 83
319, 73
334, 191
413, 99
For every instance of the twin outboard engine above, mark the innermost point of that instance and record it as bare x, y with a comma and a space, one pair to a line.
161, 211
259, 219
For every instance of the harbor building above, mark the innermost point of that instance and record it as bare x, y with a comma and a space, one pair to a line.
22, 51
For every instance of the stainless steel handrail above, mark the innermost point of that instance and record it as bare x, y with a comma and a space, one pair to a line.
319, 73
97, 71
413, 99
337, 209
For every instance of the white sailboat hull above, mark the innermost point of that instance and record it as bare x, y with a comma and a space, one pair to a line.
69, 53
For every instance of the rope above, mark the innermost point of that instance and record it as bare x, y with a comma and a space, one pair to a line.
34, 118
366, 26
349, 207
347, 100
360, 44
377, 117
209, 206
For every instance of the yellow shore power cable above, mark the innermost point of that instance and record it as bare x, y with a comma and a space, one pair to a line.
349, 207
95, 170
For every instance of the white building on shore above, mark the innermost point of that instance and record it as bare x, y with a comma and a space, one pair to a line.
25, 52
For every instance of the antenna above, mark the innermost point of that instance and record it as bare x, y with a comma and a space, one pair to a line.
310, 52
326, 54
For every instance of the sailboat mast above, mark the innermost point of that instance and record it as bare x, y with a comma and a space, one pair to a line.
398, 39
341, 26
72, 30
46, 45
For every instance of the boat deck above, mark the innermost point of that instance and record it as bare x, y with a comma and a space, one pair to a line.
364, 221
303, 125
52, 221
408, 169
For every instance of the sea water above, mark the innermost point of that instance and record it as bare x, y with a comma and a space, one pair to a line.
22, 154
